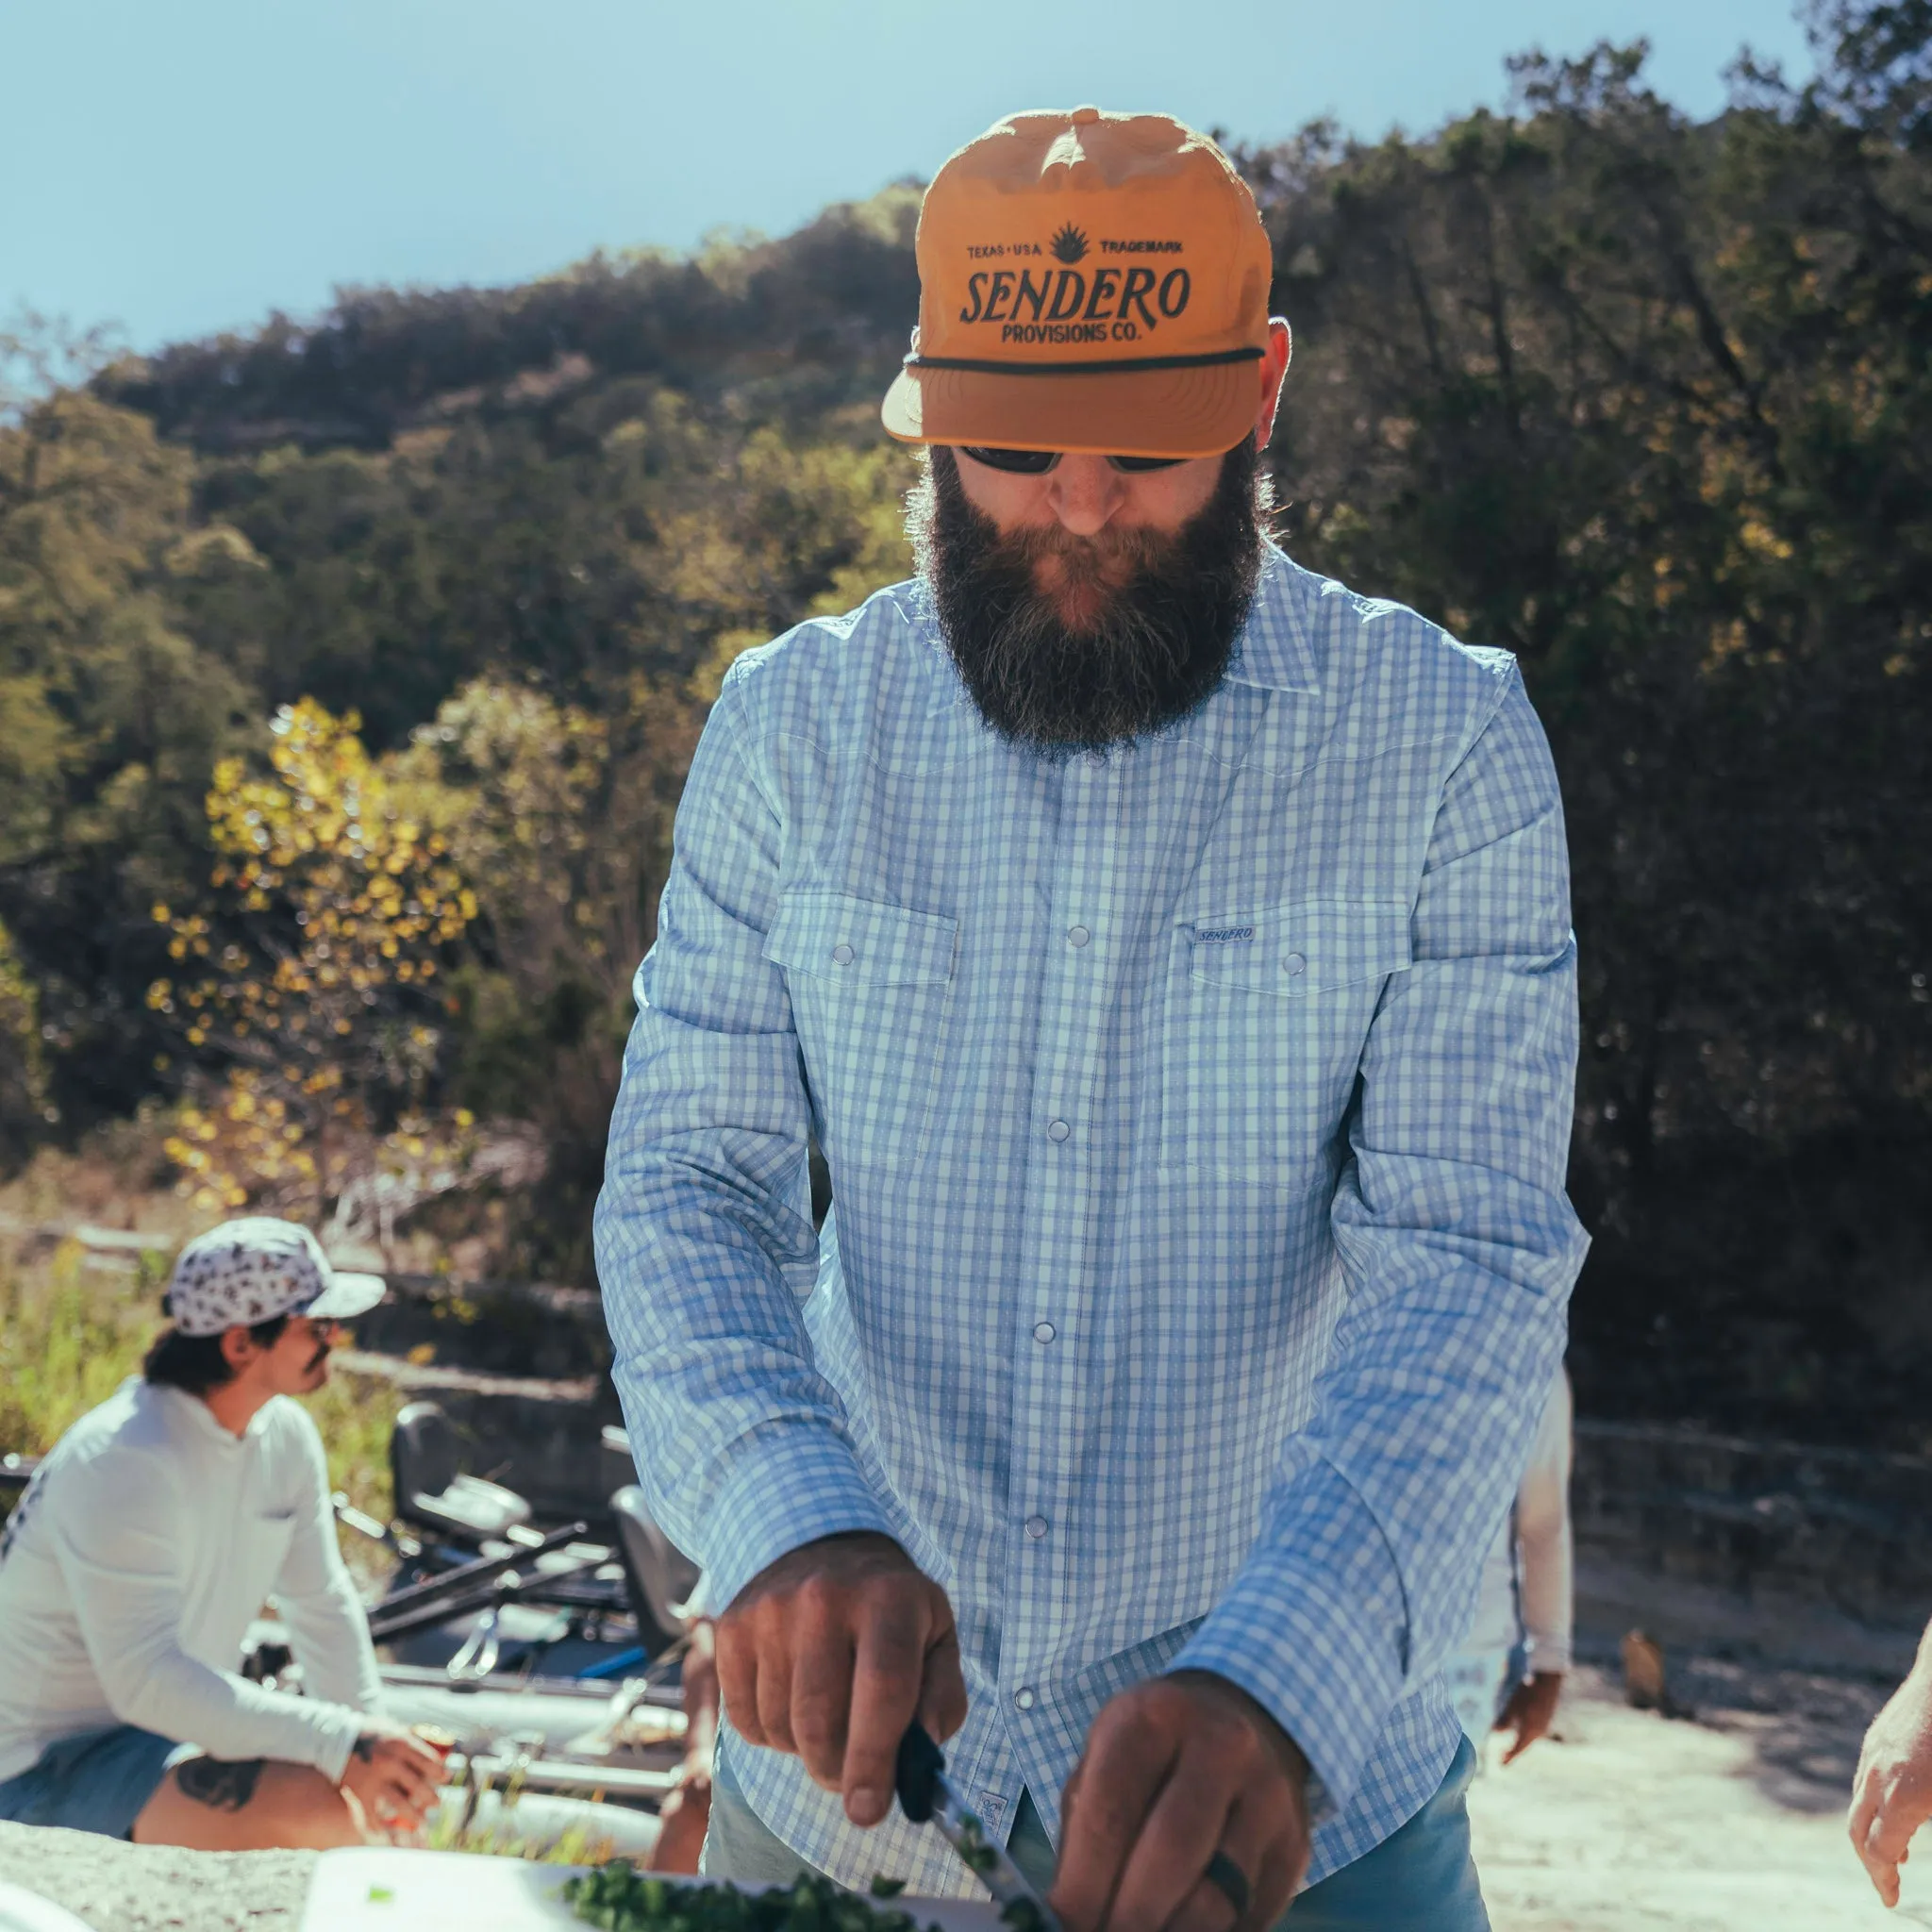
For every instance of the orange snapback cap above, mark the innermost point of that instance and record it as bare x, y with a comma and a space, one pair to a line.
1089, 282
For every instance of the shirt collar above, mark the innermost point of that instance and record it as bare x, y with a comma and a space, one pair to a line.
1275, 651
192, 1413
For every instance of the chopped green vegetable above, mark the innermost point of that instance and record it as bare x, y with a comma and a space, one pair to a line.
1022, 1914
381, 1895
882, 1887
972, 1847
618, 1897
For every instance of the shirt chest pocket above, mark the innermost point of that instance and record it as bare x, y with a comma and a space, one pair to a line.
1263, 1025
872, 999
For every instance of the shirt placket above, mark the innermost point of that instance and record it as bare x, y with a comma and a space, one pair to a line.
1071, 1147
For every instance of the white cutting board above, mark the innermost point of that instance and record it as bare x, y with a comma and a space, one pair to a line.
22, 1910
381, 1885
427, 1891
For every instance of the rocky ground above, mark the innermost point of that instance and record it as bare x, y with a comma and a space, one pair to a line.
122, 1887
1732, 1818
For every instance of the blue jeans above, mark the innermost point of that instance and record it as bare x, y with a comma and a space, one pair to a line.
1421, 1878
98, 1781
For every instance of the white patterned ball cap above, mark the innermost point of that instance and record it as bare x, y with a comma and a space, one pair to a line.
256, 1268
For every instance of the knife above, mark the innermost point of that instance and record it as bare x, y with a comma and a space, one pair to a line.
927, 1795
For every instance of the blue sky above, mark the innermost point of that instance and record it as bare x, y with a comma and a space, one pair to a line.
186, 168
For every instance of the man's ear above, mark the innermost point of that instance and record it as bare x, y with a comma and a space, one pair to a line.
1273, 371
238, 1348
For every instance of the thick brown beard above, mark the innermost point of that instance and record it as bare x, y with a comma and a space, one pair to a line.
1157, 648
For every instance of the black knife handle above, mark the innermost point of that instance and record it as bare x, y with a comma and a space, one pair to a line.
919, 1764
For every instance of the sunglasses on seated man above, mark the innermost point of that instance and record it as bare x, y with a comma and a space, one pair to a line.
1037, 462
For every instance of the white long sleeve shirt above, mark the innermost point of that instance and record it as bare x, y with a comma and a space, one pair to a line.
148, 1540
1527, 1587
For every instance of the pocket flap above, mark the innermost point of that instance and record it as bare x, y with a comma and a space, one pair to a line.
834, 935
1306, 948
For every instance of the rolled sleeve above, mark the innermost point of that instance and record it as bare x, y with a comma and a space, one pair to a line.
1542, 1531
704, 1235
1461, 1249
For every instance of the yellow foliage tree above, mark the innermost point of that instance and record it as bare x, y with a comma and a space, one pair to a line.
24, 1103
309, 998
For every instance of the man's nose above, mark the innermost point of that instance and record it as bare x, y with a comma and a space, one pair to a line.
1085, 493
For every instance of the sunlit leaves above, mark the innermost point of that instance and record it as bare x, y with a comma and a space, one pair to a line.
24, 1109
308, 988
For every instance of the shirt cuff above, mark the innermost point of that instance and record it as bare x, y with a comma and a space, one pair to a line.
1549, 1654
1315, 1629
789, 1486
335, 1738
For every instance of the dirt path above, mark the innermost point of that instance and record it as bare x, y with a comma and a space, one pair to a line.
1634, 1822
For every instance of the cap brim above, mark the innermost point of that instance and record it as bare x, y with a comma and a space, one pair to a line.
345, 1297
1154, 412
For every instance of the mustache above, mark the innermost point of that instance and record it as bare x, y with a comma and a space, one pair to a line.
1109, 559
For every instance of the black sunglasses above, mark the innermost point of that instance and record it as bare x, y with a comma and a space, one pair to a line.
1037, 462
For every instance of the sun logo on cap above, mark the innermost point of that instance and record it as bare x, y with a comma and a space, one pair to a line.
1070, 244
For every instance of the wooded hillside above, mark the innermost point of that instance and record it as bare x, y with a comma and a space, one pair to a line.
1647, 402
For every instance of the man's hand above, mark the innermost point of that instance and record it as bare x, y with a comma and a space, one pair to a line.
1530, 1712
1177, 1770
1892, 1794
831, 1651
392, 1774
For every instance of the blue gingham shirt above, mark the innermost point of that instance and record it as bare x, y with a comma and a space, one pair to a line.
1196, 1117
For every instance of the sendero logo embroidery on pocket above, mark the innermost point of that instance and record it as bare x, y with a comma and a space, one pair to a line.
1223, 934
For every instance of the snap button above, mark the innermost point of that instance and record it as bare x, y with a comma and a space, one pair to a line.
1036, 1527
1044, 1331
1057, 1130
1023, 1697
1294, 963
842, 954
1077, 935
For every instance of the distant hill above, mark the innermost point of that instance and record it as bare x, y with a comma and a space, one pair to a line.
805, 322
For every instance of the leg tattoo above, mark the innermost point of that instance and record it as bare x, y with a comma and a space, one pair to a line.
219, 1785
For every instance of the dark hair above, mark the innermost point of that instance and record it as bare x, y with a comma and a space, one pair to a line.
194, 1363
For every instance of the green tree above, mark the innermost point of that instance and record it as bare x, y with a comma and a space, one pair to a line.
110, 715
1648, 403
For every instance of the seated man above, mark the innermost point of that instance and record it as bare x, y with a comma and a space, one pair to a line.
150, 1536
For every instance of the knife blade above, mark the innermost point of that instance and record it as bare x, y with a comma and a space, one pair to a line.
927, 1795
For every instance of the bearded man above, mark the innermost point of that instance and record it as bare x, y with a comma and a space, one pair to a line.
1170, 951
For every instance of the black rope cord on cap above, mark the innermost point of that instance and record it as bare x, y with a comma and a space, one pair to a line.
1109, 366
